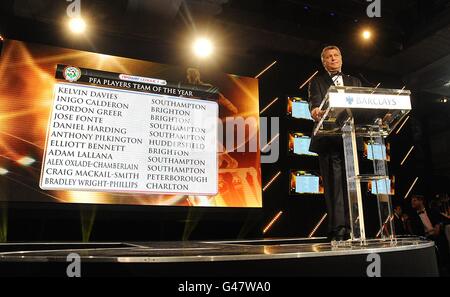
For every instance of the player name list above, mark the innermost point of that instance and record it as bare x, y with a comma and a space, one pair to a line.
102, 139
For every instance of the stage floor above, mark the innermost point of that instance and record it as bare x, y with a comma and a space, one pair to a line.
265, 257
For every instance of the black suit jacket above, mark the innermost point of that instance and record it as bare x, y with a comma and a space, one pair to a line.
318, 88
399, 227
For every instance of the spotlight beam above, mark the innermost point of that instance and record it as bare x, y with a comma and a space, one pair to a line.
374, 89
309, 79
407, 155
267, 145
265, 69
21, 139
271, 181
404, 122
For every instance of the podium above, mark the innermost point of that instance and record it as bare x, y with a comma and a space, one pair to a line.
358, 113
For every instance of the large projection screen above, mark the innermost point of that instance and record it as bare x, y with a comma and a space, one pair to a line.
82, 127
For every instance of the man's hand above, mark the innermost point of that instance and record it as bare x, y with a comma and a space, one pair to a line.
435, 231
317, 114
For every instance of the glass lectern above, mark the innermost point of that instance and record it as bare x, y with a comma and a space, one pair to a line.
372, 114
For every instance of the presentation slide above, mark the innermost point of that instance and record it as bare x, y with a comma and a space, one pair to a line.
301, 146
303, 182
105, 139
376, 151
83, 127
299, 108
307, 184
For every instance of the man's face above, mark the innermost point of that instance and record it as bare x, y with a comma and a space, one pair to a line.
332, 60
398, 210
416, 204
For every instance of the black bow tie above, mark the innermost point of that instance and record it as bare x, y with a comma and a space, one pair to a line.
421, 212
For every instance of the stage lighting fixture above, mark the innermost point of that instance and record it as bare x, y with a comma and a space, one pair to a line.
202, 47
77, 25
366, 34
3, 171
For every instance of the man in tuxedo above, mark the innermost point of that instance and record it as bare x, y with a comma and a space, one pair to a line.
429, 223
330, 148
425, 221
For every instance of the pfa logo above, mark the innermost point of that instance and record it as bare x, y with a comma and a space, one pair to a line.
71, 73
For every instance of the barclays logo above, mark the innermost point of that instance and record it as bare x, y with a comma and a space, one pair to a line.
349, 100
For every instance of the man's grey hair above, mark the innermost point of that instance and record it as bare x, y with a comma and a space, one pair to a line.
327, 48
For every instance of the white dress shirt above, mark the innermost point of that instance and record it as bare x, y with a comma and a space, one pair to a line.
337, 79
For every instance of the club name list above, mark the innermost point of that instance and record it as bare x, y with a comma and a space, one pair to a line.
102, 139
